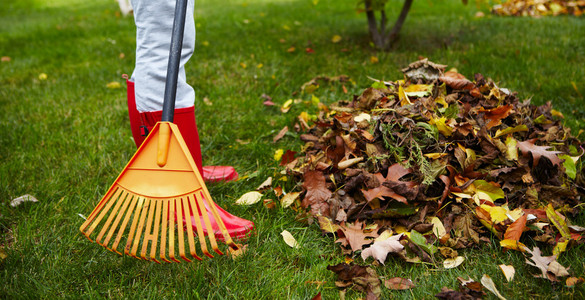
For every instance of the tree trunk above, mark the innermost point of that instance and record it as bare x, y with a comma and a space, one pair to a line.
380, 37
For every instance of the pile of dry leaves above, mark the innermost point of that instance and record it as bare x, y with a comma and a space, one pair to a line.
422, 167
536, 8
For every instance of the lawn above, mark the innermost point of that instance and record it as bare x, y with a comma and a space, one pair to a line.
65, 135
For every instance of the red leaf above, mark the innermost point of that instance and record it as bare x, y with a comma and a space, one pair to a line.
287, 157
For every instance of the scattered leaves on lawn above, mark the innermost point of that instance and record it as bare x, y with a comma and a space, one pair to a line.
537, 8
489, 284
289, 239
508, 271
249, 198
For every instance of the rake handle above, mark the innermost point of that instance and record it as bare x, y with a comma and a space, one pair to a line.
168, 111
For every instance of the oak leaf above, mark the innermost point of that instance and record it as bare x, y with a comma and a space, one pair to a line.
317, 193
537, 152
380, 249
355, 235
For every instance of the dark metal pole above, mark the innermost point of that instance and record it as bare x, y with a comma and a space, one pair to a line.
168, 110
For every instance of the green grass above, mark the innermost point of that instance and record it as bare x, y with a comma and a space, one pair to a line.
66, 138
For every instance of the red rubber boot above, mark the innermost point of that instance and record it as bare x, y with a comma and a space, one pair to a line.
184, 118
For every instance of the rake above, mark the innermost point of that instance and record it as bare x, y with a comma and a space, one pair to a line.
160, 196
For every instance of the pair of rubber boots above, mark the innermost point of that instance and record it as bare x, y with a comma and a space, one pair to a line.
142, 122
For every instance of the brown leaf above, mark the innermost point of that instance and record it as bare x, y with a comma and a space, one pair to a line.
546, 264
398, 283
495, 116
537, 152
280, 134
317, 193
456, 81
355, 235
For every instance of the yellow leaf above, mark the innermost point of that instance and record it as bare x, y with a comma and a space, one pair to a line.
243, 65
558, 221
438, 228
560, 247
205, 43
285, 27
498, 214
435, 155
402, 96
42, 76
249, 198
278, 154
513, 245
259, 66
291, 49
511, 148
289, 239
113, 85
336, 39
374, 59
289, 199
327, 225
442, 126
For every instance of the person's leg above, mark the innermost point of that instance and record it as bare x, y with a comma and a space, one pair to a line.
154, 22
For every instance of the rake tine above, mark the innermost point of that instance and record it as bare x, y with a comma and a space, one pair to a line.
180, 231
164, 229
136, 215
171, 217
108, 204
148, 235
140, 228
118, 218
189, 224
113, 213
96, 210
220, 224
124, 223
210, 231
195, 213
156, 231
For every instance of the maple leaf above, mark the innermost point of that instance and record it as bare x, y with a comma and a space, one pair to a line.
317, 193
395, 172
354, 235
380, 249
537, 152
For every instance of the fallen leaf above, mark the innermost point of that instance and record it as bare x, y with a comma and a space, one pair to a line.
508, 271
278, 154
317, 193
280, 134
289, 199
5, 59
249, 198
289, 239
488, 283
111, 85
456, 81
558, 221
374, 59
265, 185
537, 152
573, 281
336, 39
239, 252
355, 235
398, 283
515, 230
25, 198
44, 76
451, 263
380, 249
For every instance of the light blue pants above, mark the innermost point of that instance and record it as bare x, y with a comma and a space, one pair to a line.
154, 23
